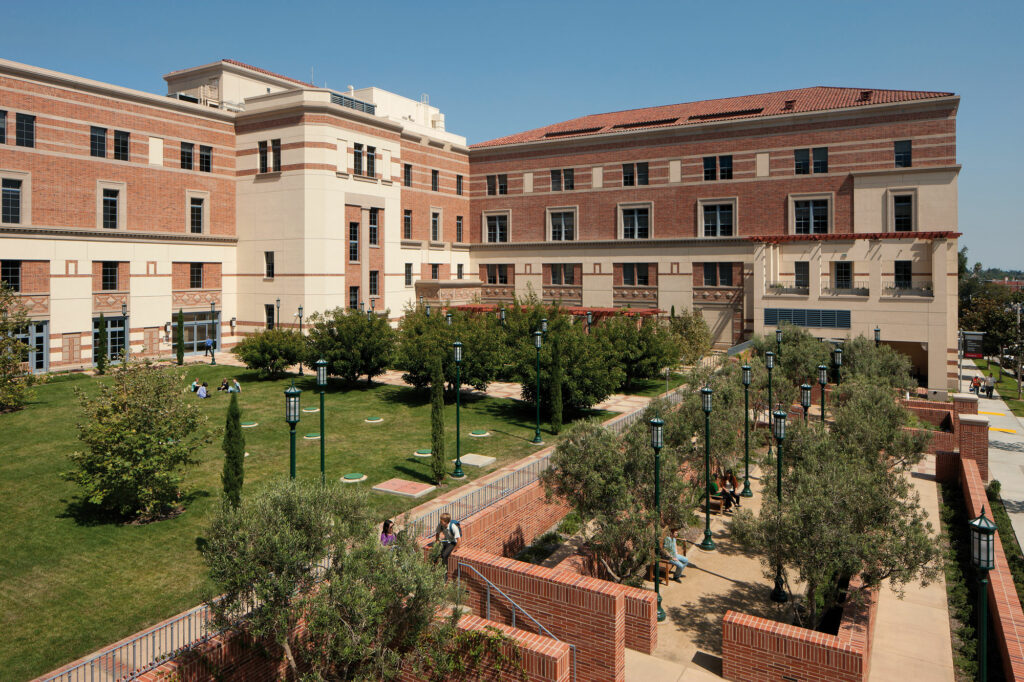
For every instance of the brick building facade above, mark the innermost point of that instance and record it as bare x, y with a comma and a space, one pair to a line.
243, 195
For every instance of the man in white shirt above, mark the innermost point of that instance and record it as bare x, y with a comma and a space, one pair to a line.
452, 534
678, 560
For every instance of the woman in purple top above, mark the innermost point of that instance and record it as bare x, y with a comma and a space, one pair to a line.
387, 535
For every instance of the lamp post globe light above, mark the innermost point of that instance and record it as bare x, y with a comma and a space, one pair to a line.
457, 349
538, 341
837, 360
805, 399
778, 341
448, 318
779, 592
362, 306
278, 304
983, 550
769, 362
321, 382
747, 492
708, 545
128, 330
300, 336
291, 415
544, 325
878, 336
822, 381
590, 319
657, 442
213, 332
503, 316
428, 310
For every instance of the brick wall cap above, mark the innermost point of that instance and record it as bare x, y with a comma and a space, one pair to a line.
978, 419
965, 397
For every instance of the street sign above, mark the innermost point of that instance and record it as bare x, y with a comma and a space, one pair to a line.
972, 344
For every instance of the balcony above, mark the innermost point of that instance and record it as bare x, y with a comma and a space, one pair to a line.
921, 288
352, 103
856, 287
787, 288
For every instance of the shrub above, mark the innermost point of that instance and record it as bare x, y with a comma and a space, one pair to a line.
353, 343
438, 465
270, 352
641, 348
101, 353
234, 455
14, 380
694, 335
179, 338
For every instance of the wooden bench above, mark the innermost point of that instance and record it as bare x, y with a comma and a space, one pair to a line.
716, 504
666, 567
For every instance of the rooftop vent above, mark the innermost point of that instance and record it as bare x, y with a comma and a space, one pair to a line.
865, 96
641, 124
725, 114
574, 131
789, 105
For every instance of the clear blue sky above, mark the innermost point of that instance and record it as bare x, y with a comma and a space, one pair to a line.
499, 68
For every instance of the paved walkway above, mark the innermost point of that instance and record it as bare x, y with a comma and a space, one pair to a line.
1005, 451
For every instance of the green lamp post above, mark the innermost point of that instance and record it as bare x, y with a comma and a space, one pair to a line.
448, 318
707, 544
769, 362
778, 341
805, 399
300, 335
837, 360
503, 316
544, 325
428, 310
657, 442
291, 415
983, 557
878, 337
213, 332
538, 341
590, 319
321, 382
779, 592
457, 347
747, 492
822, 381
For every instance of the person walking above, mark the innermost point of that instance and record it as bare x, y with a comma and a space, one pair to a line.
452, 534
990, 385
208, 347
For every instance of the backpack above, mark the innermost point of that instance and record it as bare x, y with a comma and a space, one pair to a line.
455, 523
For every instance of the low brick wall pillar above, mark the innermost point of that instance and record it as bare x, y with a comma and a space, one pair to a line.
965, 403
972, 434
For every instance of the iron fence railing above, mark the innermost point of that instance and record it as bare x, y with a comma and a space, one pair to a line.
904, 287
352, 103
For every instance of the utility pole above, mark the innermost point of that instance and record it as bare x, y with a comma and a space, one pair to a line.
1017, 306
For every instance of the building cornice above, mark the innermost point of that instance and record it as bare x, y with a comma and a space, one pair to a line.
112, 235
955, 168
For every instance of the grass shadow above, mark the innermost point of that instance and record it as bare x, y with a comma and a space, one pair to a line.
410, 397
88, 515
418, 475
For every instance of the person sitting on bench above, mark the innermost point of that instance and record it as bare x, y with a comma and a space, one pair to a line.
677, 559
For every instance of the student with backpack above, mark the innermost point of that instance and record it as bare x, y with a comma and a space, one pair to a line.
452, 533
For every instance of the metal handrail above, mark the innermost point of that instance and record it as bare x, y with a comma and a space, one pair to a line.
458, 583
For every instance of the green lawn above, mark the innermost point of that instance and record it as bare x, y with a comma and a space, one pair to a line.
655, 387
69, 586
1006, 386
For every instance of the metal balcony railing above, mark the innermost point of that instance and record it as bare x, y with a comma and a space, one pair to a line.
912, 287
352, 103
855, 287
787, 287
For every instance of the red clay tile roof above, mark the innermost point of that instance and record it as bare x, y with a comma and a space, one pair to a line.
257, 69
732, 108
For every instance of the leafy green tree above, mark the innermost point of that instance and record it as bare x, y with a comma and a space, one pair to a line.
15, 382
270, 352
557, 381
353, 343
801, 354
179, 338
438, 465
309, 553
694, 335
234, 454
884, 364
140, 433
641, 347
101, 354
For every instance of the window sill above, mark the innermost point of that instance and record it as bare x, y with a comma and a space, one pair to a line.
268, 279
415, 243
437, 246
363, 178
269, 175
341, 174
388, 183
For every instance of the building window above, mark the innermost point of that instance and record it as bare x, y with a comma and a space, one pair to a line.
206, 159
497, 274
435, 227
110, 197
634, 174
353, 297
121, 148
820, 158
3, 127
268, 315
108, 276
371, 162
434, 180
718, 274
635, 274
275, 150
195, 275
357, 158
458, 271
497, 228
811, 216
561, 273
802, 161
492, 185
718, 168
502, 184
802, 274
842, 275
373, 282
10, 274
353, 242
196, 215
901, 150
563, 178
98, 142
407, 175
373, 226
717, 220
903, 213
458, 185
10, 208
636, 223
187, 149
710, 274
408, 274
458, 228
407, 224
563, 226
435, 271
903, 272
725, 167
25, 130
268, 264
725, 274
263, 157
709, 168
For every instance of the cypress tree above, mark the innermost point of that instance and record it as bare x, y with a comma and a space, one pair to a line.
556, 383
100, 352
234, 455
179, 337
438, 465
